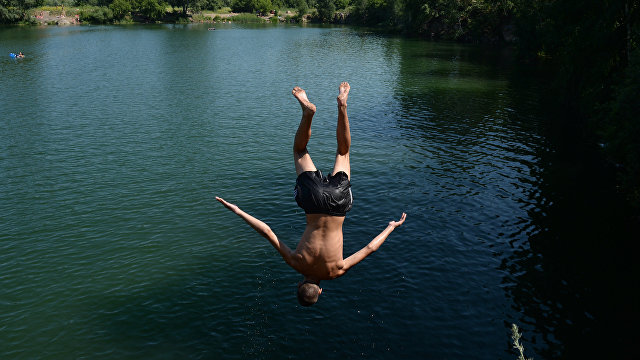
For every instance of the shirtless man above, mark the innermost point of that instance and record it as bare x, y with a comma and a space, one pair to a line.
325, 201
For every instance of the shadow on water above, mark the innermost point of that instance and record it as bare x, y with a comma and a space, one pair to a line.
574, 278
568, 264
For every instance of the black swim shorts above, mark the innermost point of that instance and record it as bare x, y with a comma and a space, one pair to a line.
317, 194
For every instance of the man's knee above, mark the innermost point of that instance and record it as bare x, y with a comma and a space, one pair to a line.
299, 152
342, 150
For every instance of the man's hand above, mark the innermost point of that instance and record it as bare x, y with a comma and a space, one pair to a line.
228, 205
395, 224
373, 245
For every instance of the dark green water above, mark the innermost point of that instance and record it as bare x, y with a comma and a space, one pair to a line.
115, 140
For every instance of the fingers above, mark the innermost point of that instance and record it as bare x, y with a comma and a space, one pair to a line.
399, 222
404, 216
224, 202
232, 207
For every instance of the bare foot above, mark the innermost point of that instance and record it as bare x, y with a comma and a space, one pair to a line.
301, 95
344, 94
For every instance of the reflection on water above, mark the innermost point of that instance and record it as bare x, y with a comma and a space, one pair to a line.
574, 281
115, 140
569, 270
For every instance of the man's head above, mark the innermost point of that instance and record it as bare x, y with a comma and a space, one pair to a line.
308, 292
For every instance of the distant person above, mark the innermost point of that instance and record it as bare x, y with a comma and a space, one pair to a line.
20, 55
325, 200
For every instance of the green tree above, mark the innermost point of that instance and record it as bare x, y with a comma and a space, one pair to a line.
341, 4
183, 4
326, 9
263, 6
302, 8
246, 6
377, 12
96, 15
120, 8
22, 5
9, 12
153, 9
212, 4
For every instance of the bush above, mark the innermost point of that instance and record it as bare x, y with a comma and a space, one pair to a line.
96, 15
263, 6
120, 8
374, 12
152, 9
243, 6
246, 18
326, 9
197, 18
342, 4
302, 9
9, 15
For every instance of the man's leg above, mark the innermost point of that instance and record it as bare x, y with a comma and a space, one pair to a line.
301, 156
343, 134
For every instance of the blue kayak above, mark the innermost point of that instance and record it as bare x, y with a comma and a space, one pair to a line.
13, 55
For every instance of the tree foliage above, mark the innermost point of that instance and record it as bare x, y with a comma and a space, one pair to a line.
252, 6
152, 9
375, 12
326, 9
96, 15
8, 13
12, 11
243, 5
120, 8
301, 7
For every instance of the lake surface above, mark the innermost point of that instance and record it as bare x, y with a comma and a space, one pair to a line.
114, 142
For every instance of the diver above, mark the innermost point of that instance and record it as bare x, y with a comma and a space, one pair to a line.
325, 200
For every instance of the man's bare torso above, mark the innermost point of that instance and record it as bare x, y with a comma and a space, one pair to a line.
319, 252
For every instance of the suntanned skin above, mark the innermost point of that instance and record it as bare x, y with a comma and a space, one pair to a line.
318, 255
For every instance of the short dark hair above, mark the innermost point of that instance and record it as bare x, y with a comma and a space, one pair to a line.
308, 293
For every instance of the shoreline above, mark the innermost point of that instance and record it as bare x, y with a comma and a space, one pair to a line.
61, 17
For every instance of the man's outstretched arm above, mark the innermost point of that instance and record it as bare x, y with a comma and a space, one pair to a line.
262, 229
373, 245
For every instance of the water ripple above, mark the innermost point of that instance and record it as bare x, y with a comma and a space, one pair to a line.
111, 242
